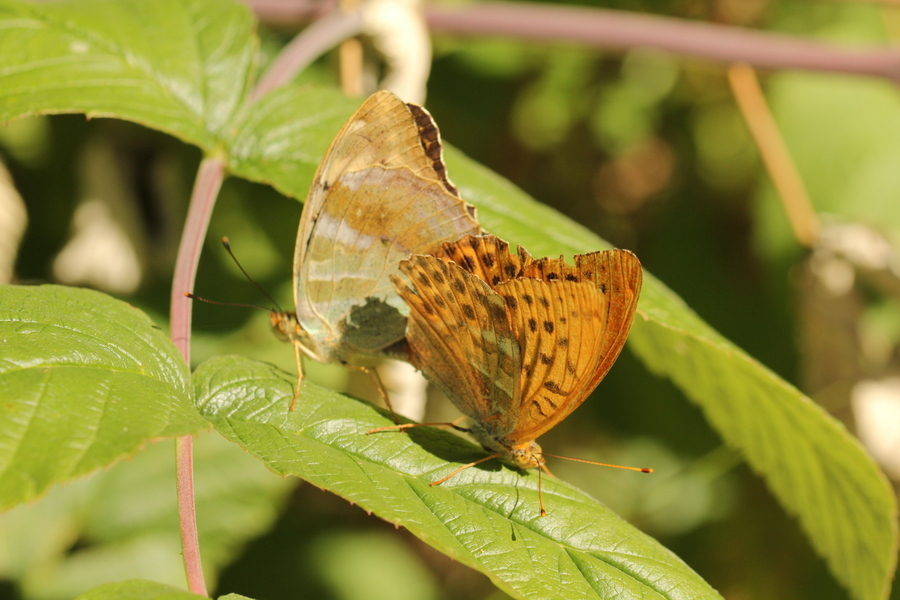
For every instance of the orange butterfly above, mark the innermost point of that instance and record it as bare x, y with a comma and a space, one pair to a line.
517, 344
380, 194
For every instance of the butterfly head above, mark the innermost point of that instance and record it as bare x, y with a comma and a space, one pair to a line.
526, 456
288, 329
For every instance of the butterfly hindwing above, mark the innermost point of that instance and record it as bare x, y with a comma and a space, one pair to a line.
461, 339
487, 257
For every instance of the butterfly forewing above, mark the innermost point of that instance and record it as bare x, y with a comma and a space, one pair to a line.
618, 275
560, 326
380, 194
461, 338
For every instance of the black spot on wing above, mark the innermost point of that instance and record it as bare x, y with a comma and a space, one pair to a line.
539, 408
552, 386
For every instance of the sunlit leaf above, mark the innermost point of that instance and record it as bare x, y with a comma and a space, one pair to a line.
139, 590
486, 517
85, 379
174, 65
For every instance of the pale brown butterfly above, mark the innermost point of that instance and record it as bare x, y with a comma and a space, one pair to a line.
517, 344
380, 194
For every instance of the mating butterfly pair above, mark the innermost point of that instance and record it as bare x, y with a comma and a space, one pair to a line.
390, 261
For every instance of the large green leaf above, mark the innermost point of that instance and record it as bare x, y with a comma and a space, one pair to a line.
85, 379
126, 523
180, 66
486, 517
136, 589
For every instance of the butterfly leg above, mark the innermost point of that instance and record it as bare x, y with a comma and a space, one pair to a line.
373, 375
464, 467
454, 425
299, 360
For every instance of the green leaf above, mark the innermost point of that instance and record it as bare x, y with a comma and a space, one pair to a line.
486, 517
180, 66
126, 524
138, 590
91, 374
281, 138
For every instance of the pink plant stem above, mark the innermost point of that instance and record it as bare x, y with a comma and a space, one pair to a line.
203, 198
306, 47
604, 28
312, 42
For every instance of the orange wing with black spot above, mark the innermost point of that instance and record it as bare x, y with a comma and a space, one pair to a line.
571, 323
487, 257
460, 338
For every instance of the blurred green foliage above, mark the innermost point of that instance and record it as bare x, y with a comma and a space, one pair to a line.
644, 148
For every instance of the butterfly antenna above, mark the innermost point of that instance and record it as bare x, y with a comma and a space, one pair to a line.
208, 301
600, 464
541, 492
227, 245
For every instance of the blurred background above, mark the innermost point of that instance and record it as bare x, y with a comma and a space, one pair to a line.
649, 150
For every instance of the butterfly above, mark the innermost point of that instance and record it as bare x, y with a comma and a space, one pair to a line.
516, 343
380, 194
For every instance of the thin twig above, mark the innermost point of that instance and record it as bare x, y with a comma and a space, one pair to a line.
775, 154
203, 198
618, 29
605, 28
187, 514
311, 43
